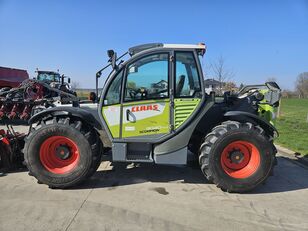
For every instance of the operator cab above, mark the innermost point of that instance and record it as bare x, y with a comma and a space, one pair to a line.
48, 76
51, 76
151, 97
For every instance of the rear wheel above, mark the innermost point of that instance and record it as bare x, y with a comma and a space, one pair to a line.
62, 152
237, 157
4, 89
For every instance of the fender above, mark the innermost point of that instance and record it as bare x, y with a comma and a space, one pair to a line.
269, 128
67, 111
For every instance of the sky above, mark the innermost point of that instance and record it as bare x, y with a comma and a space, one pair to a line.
258, 39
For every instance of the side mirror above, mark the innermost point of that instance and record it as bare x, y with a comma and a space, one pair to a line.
112, 58
69, 80
110, 53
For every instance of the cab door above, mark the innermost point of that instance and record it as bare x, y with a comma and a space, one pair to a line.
187, 91
146, 99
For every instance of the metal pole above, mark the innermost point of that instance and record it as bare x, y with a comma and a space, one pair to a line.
279, 108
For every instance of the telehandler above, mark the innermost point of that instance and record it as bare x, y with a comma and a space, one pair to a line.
154, 109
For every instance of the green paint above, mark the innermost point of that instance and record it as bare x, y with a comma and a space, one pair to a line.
183, 108
267, 111
158, 124
114, 129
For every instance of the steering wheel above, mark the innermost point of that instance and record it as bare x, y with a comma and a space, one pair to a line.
142, 91
132, 93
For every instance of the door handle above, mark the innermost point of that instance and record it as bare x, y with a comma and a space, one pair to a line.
129, 114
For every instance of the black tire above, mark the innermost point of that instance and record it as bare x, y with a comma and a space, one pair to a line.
84, 137
212, 159
4, 89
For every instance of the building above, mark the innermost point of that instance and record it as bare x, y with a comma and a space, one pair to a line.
211, 85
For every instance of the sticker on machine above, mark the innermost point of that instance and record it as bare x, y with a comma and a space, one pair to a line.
145, 111
129, 129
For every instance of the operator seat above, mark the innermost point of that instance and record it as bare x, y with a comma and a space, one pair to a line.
179, 85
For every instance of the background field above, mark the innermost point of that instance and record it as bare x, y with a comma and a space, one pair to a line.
293, 125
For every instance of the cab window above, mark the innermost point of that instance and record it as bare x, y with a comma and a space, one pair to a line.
114, 90
147, 78
187, 78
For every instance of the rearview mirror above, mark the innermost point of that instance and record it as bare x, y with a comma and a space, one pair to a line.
110, 53
133, 69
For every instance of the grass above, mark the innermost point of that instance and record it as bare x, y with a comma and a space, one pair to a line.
83, 94
292, 125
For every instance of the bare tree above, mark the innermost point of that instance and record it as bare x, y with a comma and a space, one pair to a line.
221, 73
75, 85
230, 86
302, 85
288, 94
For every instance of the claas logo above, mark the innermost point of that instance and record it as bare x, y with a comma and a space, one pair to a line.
153, 107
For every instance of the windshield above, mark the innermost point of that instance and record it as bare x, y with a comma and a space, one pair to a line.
52, 77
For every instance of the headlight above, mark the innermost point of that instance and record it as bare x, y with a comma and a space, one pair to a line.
53, 84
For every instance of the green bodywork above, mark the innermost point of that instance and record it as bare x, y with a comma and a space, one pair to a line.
158, 123
266, 111
151, 125
115, 128
183, 108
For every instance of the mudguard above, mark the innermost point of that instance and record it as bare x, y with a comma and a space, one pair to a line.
67, 111
269, 128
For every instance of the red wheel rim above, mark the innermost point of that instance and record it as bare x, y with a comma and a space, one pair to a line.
59, 154
240, 159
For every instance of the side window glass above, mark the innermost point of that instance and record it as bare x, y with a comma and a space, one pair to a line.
114, 90
147, 78
187, 78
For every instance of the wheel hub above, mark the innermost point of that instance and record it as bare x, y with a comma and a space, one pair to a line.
240, 159
63, 152
236, 156
59, 154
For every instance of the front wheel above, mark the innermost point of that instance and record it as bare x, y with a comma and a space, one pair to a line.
237, 157
62, 152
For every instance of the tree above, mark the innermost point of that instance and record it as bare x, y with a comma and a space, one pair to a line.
220, 72
230, 86
288, 94
302, 85
131, 85
75, 85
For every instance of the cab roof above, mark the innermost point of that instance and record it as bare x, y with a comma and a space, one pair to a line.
136, 49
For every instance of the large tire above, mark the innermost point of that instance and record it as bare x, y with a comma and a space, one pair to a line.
62, 152
237, 157
3, 89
